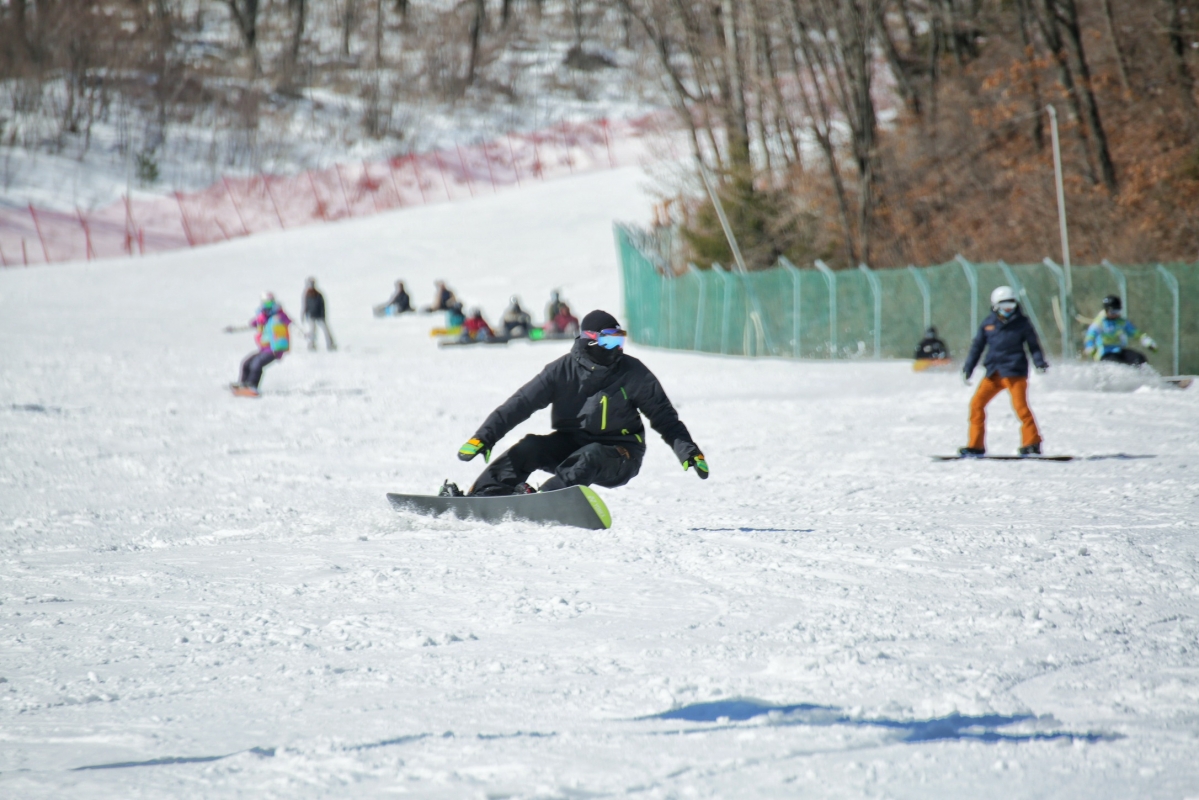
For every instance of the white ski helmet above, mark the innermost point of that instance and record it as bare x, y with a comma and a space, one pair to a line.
1001, 294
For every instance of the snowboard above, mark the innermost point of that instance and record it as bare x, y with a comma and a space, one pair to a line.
575, 506
1003, 458
467, 342
243, 391
1180, 381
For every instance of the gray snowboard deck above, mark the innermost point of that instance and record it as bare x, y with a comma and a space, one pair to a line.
575, 506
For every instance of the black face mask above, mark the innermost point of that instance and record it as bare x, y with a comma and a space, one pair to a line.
602, 355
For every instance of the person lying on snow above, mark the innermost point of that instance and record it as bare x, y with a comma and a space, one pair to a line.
476, 329
273, 337
1004, 335
1107, 337
597, 394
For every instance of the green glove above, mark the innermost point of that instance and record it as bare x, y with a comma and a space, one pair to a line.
472, 448
701, 466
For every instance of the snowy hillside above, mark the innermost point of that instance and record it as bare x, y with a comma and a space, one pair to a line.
211, 596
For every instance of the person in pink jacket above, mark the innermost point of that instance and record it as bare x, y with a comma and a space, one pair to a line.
273, 337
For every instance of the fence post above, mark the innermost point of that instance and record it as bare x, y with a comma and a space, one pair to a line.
972, 279
87, 234
441, 171
1172, 284
490, 171
187, 229
726, 308
465, 171
796, 298
38, 227
366, 184
1022, 292
266, 181
926, 293
607, 145
699, 305
877, 290
1121, 282
419, 184
24, 252
831, 279
512, 155
345, 197
391, 172
566, 149
320, 205
1063, 324
3, 260
233, 200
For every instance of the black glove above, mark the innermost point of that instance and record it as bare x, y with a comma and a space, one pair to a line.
701, 466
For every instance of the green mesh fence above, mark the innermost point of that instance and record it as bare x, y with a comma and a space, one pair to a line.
821, 313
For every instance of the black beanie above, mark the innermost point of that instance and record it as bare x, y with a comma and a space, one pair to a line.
598, 320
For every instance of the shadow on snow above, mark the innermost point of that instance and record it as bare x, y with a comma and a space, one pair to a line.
980, 728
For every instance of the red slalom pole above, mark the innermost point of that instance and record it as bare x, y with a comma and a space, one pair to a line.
37, 226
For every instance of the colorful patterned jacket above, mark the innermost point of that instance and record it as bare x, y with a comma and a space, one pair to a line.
272, 332
1111, 335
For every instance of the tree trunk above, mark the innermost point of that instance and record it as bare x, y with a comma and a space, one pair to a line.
1090, 104
734, 81
1038, 104
348, 14
1121, 70
1051, 32
1178, 47
476, 34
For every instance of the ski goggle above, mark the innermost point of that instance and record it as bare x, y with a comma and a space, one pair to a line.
1006, 306
608, 338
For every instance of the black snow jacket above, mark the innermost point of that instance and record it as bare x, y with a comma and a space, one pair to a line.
314, 304
1004, 341
599, 402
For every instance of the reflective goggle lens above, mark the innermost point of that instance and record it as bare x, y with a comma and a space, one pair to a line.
1007, 305
608, 338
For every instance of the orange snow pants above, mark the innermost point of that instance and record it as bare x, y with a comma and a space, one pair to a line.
990, 386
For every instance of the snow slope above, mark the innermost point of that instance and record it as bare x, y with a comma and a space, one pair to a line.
211, 596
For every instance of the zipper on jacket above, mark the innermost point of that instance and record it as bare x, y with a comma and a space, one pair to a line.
604, 415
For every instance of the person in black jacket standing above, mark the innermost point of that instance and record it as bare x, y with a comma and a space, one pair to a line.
1004, 334
314, 315
598, 394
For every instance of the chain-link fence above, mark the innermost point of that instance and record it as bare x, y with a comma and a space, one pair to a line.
863, 313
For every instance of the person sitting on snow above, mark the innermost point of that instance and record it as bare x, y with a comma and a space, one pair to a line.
476, 329
558, 318
1107, 337
597, 394
1004, 335
443, 301
931, 348
400, 303
516, 320
273, 337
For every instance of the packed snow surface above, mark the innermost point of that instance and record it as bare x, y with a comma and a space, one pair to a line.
203, 596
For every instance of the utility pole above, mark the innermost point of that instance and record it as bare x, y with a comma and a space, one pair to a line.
1067, 313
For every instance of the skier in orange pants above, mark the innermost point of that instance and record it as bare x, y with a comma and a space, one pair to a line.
1004, 335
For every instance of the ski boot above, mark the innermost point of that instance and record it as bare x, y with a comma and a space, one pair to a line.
971, 452
450, 490
1030, 450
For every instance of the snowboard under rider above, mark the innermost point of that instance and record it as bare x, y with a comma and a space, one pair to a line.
400, 303
1107, 337
597, 394
1004, 335
443, 300
273, 337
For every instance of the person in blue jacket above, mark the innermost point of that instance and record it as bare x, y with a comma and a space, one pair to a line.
1003, 335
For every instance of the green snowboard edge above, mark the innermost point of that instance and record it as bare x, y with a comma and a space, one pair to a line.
598, 506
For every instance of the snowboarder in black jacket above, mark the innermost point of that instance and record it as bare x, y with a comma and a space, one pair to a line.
598, 394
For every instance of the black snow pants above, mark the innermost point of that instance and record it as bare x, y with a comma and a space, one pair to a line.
573, 459
252, 366
1132, 358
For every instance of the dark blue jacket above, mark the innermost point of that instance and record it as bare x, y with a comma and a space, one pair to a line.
1004, 341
